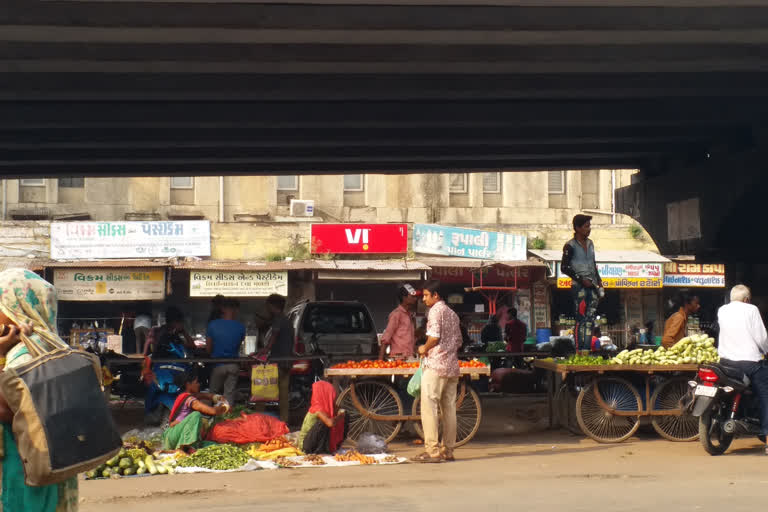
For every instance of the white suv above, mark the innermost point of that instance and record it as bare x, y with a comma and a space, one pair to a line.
333, 327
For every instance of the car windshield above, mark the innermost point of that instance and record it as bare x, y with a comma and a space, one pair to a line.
337, 318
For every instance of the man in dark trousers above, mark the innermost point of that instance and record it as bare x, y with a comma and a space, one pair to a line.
579, 264
280, 339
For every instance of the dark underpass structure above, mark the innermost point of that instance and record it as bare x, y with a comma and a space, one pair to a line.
675, 88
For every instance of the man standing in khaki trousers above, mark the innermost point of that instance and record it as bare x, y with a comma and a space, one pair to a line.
440, 377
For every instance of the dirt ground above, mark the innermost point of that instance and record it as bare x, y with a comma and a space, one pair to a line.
514, 462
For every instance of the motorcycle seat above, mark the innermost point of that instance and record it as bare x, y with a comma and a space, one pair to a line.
735, 376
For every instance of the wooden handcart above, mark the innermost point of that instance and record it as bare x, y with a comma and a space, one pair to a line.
606, 402
374, 405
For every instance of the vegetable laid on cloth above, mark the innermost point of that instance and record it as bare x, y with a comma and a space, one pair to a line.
221, 457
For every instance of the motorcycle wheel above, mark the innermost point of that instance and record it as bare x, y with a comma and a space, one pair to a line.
713, 439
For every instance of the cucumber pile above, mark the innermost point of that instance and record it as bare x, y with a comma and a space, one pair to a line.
698, 349
131, 462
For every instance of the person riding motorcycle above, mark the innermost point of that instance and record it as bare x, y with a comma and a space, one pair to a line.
743, 344
169, 341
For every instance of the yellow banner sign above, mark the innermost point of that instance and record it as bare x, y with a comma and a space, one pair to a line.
109, 284
620, 282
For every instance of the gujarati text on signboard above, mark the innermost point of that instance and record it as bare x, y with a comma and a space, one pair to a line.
123, 239
237, 284
109, 284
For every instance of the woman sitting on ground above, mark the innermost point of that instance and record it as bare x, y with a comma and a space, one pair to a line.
323, 430
188, 426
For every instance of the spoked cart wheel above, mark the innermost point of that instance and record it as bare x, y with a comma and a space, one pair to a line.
669, 396
375, 398
596, 405
469, 414
565, 408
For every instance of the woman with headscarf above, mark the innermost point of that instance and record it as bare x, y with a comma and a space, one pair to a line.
27, 309
323, 429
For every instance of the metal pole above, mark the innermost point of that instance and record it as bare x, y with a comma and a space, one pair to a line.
221, 198
613, 196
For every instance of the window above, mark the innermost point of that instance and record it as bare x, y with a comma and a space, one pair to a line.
182, 182
36, 182
556, 182
353, 183
457, 183
491, 182
287, 183
71, 182
337, 319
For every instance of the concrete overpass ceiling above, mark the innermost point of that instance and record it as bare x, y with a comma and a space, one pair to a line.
208, 87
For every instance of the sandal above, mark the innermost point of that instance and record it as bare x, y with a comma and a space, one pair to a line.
427, 458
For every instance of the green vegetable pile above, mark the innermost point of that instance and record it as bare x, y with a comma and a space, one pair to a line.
133, 461
697, 349
220, 457
580, 360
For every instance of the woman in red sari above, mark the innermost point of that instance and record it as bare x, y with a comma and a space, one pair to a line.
323, 429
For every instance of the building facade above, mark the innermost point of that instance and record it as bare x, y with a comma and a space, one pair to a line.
253, 219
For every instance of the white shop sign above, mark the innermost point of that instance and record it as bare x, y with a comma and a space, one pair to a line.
123, 239
237, 284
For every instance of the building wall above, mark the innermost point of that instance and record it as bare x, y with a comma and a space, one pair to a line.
257, 222
414, 197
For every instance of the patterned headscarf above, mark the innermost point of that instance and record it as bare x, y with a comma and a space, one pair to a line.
27, 298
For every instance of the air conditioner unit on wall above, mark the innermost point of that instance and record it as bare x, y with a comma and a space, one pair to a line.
302, 208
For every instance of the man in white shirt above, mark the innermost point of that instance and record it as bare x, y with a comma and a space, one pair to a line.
743, 343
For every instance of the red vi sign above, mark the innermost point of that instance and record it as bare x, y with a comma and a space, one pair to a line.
359, 238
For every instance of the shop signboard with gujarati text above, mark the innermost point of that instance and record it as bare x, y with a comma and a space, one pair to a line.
237, 284
359, 238
109, 284
129, 239
492, 276
540, 305
623, 275
468, 243
694, 275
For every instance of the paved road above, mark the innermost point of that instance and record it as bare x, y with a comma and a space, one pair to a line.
535, 471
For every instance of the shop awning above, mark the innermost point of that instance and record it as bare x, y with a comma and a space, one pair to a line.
370, 270
159, 263
606, 256
618, 269
25, 263
472, 263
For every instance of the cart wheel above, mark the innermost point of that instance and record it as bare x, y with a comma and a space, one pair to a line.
565, 408
376, 398
468, 417
599, 423
667, 397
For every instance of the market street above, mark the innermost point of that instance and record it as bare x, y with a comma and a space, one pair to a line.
532, 471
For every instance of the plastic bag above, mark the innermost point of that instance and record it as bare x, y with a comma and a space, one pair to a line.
369, 443
414, 385
264, 386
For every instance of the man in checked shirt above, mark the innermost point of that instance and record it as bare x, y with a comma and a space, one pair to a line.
440, 376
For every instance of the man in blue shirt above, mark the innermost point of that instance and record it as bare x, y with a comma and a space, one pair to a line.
224, 337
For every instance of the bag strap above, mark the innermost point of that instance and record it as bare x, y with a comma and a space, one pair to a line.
46, 338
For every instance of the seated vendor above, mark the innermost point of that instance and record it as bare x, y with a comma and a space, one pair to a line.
188, 425
323, 429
